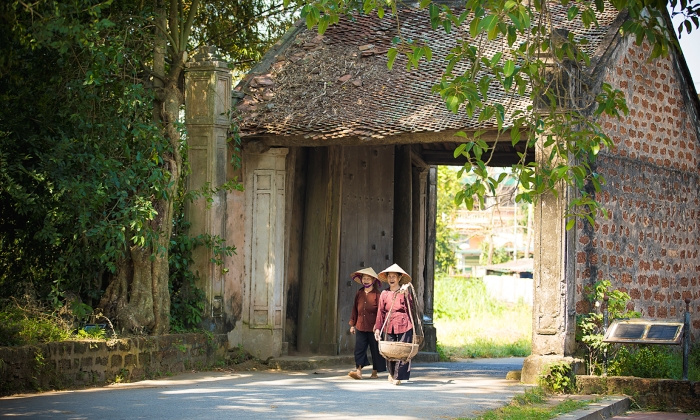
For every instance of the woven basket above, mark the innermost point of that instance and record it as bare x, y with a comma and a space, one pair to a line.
396, 350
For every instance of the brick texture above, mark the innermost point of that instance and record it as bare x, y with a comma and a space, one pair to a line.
55, 365
649, 245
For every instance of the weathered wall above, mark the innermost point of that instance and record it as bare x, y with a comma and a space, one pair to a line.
666, 394
649, 245
72, 364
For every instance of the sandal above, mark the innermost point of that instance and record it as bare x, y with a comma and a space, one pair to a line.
354, 375
374, 375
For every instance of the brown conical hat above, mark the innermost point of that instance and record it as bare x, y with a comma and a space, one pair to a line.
405, 278
357, 275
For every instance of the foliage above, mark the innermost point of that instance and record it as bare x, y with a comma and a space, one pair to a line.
559, 378
89, 162
500, 254
77, 151
96, 333
534, 395
187, 300
536, 62
445, 235
29, 324
650, 361
590, 327
466, 318
655, 361
241, 30
463, 297
442, 355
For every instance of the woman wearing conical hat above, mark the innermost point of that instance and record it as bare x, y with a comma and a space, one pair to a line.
364, 313
399, 326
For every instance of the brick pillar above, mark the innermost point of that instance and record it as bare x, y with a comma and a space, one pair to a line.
207, 102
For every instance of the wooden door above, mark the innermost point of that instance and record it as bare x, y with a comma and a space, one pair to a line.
366, 226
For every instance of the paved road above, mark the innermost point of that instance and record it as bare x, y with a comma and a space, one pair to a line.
445, 390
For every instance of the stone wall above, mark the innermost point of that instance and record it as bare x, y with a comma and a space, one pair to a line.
649, 246
666, 394
75, 364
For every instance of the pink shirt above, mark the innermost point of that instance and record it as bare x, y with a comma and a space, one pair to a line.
400, 321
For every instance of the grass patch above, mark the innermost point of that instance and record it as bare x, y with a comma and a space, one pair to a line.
471, 324
533, 406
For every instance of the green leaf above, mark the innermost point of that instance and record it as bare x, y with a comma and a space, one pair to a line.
453, 103
508, 68
391, 56
323, 25
514, 135
496, 58
447, 25
474, 27
488, 23
434, 12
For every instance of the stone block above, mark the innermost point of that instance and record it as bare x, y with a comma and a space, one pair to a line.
80, 347
116, 361
124, 345
590, 384
130, 360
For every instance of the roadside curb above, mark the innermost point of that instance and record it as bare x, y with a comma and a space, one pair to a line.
604, 409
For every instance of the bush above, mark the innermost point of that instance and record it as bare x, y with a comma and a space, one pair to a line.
590, 326
22, 325
642, 361
559, 379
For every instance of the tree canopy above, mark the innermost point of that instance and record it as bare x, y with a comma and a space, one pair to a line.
91, 152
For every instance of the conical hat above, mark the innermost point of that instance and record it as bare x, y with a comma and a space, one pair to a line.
357, 275
405, 278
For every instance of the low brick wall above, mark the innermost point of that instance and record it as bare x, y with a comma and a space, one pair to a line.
77, 364
665, 394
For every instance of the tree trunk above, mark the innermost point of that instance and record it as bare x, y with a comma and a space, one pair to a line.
138, 297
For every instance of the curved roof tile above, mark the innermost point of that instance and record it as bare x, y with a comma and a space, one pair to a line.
338, 84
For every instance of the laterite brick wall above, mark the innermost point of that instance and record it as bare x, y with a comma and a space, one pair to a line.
75, 364
649, 245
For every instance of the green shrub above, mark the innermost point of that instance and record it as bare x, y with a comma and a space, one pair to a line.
590, 326
28, 325
558, 379
642, 361
95, 333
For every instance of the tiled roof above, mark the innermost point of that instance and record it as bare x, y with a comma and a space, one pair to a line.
338, 84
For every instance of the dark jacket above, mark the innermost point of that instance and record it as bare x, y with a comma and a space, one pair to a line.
364, 311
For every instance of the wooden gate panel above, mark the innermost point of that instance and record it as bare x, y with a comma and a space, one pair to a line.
366, 225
